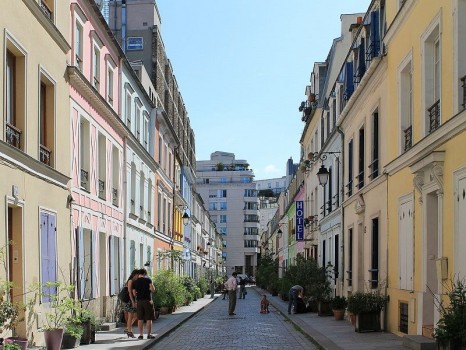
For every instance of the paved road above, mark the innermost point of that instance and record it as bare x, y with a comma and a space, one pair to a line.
212, 328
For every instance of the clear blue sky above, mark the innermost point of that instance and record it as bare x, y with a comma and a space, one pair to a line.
242, 67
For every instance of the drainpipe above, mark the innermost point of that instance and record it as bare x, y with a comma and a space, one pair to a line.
123, 25
342, 186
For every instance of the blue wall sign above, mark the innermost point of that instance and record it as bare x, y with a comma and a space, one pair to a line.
299, 220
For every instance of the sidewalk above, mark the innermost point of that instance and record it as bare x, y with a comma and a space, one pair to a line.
116, 339
334, 335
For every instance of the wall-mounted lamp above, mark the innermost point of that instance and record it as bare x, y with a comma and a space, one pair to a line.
323, 173
185, 216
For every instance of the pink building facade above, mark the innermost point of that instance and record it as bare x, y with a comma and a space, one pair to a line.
96, 159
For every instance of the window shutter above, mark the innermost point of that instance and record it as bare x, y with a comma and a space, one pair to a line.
52, 236
81, 272
111, 258
375, 33
93, 264
349, 83
44, 253
362, 59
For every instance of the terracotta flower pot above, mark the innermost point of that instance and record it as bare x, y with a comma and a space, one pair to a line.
53, 338
338, 314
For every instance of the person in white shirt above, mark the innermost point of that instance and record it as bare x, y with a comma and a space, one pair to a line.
232, 284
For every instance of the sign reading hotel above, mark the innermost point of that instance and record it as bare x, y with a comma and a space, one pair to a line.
299, 220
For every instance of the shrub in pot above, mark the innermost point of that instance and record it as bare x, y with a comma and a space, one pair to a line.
450, 331
338, 305
73, 333
367, 307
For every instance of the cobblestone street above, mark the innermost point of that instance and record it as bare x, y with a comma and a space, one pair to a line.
212, 328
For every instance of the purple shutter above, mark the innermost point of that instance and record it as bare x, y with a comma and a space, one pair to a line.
52, 249
111, 258
81, 274
44, 254
48, 229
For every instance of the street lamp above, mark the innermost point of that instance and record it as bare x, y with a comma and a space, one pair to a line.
323, 173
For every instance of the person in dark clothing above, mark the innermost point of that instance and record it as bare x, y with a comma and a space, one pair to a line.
242, 288
142, 289
295, 292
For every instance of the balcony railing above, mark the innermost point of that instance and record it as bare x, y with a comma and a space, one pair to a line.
101, 189
374, 281
45, 9
96, 83
434, 116
79, 62
408, 134
13, 135
374, 169
44, 155
350, 277
349, 186
463, 88
115, 197
84, 179
360, 179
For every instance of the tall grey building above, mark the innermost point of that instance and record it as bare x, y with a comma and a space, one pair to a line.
227, 187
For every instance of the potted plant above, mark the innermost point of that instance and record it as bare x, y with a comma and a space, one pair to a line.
60, 308
450, 331
366, 306
338, 305
73, 333
9, 344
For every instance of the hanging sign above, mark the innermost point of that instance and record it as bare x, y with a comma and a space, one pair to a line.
299, 220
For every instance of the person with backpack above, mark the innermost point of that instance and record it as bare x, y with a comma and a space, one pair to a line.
129, 303
142, 290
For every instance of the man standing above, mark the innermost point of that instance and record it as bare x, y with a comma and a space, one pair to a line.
142, 289
232, 284
295, 291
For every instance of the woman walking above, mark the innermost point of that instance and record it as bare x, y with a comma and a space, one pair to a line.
130, 307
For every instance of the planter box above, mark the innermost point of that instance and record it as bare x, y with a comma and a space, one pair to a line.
22, 342
324, 309
69, 342
451, 346
368, 322
86, 338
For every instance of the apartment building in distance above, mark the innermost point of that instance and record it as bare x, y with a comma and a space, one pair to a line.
227, 187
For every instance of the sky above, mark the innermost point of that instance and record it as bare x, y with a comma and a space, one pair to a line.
242, 67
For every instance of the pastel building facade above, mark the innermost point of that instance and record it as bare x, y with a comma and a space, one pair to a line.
97, 159
426, 166
34, 152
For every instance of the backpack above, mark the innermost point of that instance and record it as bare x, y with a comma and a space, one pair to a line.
124, 295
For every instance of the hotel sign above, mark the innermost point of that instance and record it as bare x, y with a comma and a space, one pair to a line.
299, 220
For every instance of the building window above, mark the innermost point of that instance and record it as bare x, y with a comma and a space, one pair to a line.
132, 209
96, 68
374, 271
15, 85
406, 107
128, 108
46, 120
145, 132
362, 145
223, 219
349, 185
115, 176
110, 86
102, 166
78, 45
432, 66
374, 166
137, 117
350, 257
149, 200
141, 194
84, 148
86, 266
47, 8
114, 264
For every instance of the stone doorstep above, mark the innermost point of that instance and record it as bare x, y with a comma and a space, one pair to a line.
419, 342
108, 326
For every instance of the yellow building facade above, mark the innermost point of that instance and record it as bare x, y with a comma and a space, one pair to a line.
426, 52
34, 152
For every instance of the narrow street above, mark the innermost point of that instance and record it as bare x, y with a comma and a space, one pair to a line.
212, 328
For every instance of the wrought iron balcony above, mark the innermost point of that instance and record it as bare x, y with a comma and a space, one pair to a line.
84, 179
101, 189
349, 185
360, 179
463, 88
115, 197
434, 116
45, 9
408, 134
44, 155
374, 169
13, 135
